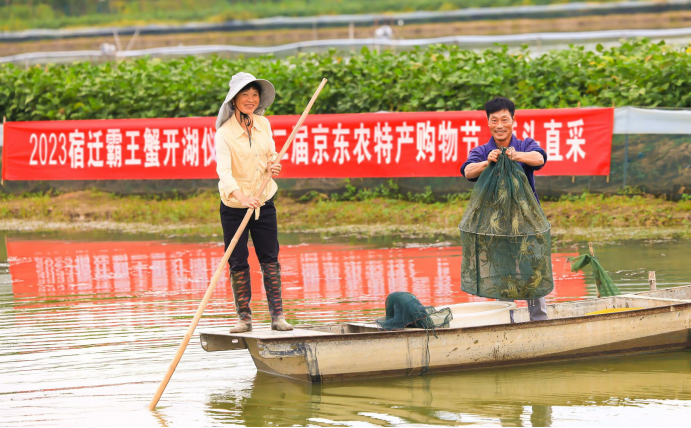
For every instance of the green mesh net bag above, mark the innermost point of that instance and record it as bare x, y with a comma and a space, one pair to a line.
603, 282
405, 310
505, 237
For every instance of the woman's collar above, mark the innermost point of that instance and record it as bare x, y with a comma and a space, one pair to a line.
238, 129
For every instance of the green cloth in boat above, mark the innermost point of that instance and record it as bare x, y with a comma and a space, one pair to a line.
603, 282
505, 237
405, 310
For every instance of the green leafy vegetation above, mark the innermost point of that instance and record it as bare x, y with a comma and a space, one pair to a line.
631, 190
386, 190
639, 73
16, 15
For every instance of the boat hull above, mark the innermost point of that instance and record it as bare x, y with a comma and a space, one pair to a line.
345, 351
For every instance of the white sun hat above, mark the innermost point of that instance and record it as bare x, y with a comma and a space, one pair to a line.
237, 82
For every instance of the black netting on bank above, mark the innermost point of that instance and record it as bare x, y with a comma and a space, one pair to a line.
656, 164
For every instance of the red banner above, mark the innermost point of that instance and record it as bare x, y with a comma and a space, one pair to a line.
310, 271
427, 144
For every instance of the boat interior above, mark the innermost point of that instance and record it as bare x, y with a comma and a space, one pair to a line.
579, 308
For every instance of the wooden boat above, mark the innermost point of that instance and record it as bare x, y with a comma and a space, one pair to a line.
643, 322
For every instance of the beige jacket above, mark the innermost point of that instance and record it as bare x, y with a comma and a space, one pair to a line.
240, 166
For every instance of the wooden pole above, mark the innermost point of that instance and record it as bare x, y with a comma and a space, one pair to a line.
117, 39
226, 256
4, 119
592, 254
132, 40
652, 281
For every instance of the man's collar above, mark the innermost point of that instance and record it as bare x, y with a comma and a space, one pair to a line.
238, 130
513, 142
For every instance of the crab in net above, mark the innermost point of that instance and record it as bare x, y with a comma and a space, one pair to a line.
526, 249
494, 225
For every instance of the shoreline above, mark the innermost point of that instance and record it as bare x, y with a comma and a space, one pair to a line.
559, 235
574, 218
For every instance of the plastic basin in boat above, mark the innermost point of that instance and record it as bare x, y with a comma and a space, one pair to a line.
480, 313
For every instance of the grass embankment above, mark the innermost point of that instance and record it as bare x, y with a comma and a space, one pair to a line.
584, 217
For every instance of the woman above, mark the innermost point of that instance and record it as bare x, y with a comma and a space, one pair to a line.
245, 153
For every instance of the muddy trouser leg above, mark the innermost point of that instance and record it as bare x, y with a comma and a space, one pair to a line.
537, 308
264, 233
239, 268
511, 311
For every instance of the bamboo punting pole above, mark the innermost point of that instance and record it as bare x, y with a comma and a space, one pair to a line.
592, 254
221, 266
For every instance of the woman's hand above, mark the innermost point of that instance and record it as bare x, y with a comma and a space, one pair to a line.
274, 168
246, 201
250, 202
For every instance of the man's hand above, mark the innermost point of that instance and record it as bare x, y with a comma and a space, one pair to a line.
493, 156
474, 170
274, 168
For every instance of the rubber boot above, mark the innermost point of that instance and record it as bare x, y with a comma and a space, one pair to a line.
242, 293
272, 285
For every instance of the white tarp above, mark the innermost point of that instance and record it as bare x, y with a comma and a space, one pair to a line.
546, 40
634, 120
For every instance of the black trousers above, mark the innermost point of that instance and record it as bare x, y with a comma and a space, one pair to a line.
264, 235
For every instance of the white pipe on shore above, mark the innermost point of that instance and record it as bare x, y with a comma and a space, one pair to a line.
469, 42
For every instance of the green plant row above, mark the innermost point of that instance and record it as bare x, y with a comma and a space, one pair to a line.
386, 190
638, 73
16, 16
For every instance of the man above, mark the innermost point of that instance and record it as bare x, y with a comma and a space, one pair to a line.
500, 118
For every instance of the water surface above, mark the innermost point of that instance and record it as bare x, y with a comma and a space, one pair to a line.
90, 322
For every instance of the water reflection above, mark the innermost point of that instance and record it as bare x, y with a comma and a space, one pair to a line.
338, 279
515, 396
